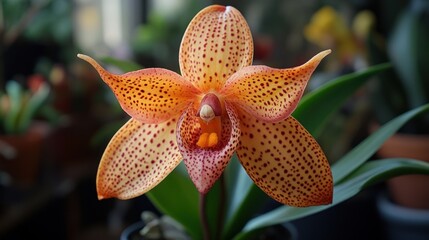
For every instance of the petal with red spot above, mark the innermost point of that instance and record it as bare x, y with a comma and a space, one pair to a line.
285, 161
150, 95
215, 45
137, 158
267, 93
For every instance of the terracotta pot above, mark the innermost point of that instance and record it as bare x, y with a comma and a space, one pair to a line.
408, 190
23, 163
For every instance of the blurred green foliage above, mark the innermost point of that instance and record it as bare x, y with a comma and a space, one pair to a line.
41, 20
405, 45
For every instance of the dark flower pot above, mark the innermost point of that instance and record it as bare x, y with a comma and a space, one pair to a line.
278, 232
402, 222
132, 232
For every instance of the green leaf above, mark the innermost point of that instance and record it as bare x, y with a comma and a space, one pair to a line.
177, 197
364, 176
215, 205
313, 111
233, 181
32, 106
370, 145
244, 203
316, 107
403, 50
123, 65
15, 93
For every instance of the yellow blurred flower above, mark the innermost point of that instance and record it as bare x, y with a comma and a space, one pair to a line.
328, 29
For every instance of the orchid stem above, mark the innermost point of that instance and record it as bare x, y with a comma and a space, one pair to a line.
203, 217
221, 212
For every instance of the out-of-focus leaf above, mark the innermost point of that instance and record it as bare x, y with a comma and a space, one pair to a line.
370, 145
245, 201
15, 94
123, 65
403, 51
316, 107
32, 106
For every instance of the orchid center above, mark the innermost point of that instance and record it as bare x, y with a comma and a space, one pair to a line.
209, 114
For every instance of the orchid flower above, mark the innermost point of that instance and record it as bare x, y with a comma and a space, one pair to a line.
219, 105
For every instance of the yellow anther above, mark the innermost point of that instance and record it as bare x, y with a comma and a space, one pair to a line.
207, 140
202, 141
212, 140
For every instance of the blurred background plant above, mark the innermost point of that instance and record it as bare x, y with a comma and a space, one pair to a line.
156, 42
19, 107
40, 30
404, 44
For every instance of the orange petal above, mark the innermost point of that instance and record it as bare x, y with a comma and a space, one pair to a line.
285, 161
267, 93
150, 95
215, 45
205, 165
137, 158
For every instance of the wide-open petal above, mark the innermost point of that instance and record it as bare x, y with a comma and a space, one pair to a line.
150, 95
270, 94
285, 161
205, 165
137, 158
215, 45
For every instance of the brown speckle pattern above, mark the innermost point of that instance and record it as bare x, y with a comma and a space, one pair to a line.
285, 161
281, 157
268, 93
137, 158
215, 45
150, 95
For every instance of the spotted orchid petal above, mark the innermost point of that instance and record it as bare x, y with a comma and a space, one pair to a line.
205, 165
285, 161
150, 95
215, 45
267, 93
138, 157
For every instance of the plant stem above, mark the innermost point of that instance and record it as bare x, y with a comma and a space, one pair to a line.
203, 217
221, 213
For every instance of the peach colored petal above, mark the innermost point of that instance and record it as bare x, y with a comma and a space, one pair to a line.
150, 95
216, 44
137, 158
285, 161
267, 93
205, 165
